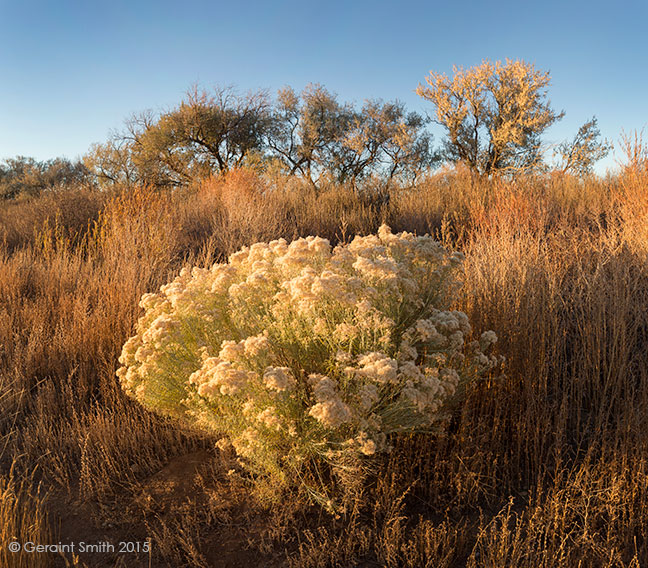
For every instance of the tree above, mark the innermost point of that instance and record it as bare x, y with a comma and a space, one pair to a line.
314, 135
384, 139
112, 163
311, 135
206, 134
580, 154
494, 115
305, 130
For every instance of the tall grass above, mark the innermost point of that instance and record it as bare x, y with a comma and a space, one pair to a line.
545, 466
24, 519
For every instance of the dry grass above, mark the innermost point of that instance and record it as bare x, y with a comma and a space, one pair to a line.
22, 219
24, 519
543, 467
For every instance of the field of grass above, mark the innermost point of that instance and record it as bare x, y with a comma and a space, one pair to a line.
546, 466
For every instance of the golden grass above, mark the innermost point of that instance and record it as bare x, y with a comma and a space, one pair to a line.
543, 467
24, 519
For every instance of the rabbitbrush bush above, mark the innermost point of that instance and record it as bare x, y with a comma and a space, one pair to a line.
303, 355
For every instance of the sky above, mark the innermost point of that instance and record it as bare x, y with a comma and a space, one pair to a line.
73, 71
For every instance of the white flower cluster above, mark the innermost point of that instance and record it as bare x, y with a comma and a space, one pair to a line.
298, 350
329, 408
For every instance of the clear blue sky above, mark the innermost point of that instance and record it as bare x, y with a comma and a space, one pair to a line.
73, 70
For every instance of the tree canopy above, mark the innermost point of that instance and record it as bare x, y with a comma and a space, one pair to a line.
494, 115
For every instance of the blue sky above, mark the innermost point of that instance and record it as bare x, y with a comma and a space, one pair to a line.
73, 70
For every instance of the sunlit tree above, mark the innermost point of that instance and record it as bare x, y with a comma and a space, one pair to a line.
384, 139
493, 114
208, 132
112, 163
310, 135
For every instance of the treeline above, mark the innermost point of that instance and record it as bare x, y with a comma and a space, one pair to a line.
493, 116
310, 134
29, 177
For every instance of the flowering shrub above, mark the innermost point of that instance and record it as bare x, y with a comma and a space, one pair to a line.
299, 353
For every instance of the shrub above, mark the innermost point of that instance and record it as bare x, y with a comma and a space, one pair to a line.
303, 355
